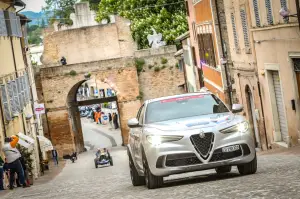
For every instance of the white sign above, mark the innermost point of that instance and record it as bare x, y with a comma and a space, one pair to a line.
25, 140
39, 109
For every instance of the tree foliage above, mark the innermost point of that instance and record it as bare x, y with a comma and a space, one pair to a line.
34, 34
165, 16
60, 10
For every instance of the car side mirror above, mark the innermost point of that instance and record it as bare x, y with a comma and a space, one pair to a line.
133, 123
237, 108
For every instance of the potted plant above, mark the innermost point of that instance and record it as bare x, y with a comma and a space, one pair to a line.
26, 154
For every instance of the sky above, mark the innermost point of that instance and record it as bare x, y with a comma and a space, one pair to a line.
34, 5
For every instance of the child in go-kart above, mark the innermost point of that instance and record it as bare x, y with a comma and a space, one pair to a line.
102, 154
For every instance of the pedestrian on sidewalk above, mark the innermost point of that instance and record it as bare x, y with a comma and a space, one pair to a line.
110, 120
1, 174
115, 120
54, 156
13, 155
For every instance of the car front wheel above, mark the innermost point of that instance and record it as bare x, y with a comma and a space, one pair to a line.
248, 168
136, 179
152, 181
224, 169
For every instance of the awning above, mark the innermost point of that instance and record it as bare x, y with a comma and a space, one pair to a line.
45, 143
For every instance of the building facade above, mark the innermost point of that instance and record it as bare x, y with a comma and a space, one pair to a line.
208, 36
16, 80
277, 47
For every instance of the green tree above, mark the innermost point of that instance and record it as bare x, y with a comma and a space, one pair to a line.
165, 16
43, 24
60, 10
34, 34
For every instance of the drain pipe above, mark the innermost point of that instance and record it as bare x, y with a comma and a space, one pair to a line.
224, 56
2, 118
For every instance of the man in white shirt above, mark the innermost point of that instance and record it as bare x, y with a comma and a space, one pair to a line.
13, 155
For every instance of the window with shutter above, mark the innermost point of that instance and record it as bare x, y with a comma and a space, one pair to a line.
21, 100
19, 27
27, 86
235, 35
269, 12
16, 95
245, 30
283, 4
256, 13
23, 89
3, 28
5, 103
13, 24
206, 49
13, 109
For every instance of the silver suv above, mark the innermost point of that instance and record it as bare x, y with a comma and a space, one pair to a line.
186, 133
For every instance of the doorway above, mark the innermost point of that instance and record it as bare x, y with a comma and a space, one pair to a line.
252, 117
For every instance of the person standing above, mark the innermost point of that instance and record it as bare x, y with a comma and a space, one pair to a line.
55, 156
13, 155
115, 121
110, 120
1, 174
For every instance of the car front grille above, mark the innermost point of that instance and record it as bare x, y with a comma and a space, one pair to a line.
203, 144
218, 155
184, 159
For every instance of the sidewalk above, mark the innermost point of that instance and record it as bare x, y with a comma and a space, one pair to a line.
48, 176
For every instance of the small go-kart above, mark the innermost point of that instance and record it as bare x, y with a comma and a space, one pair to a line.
103, 158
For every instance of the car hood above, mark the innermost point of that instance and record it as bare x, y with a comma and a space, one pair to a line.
190, 123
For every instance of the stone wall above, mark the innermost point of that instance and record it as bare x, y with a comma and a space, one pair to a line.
88, 44
166, 81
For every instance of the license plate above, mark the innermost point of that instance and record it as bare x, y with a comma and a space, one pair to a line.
230, 148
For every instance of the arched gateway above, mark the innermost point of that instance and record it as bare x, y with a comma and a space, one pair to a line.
59, 87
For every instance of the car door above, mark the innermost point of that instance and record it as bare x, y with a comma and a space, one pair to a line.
138, 138
132, 133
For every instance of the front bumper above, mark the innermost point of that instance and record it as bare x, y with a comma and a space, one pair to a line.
183, 156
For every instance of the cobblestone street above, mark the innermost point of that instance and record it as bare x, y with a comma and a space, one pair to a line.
277, 177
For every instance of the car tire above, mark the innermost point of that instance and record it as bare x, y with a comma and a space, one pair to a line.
152, 181
248, 168
223, 169
136, 179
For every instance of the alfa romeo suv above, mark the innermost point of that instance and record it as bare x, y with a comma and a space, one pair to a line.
186, 133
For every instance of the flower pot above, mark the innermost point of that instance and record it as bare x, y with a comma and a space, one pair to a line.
30, 178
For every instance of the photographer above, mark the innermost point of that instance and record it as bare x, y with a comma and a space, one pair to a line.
13, 155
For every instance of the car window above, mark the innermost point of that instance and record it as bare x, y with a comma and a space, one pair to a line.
183, 107
141, 117
139, 112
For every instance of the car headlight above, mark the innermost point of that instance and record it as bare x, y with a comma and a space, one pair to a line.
156, 140
241, 127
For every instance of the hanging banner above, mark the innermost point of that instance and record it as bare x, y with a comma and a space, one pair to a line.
45, 143
25, 140
39, 109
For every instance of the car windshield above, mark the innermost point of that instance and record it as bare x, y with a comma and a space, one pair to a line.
182, 107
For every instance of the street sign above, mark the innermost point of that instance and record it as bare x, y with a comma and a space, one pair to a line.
39, 109
105, 117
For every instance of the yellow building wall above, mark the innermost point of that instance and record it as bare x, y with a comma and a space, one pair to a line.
18, 53
6, 57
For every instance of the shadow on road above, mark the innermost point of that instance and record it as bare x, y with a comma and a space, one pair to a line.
200, 179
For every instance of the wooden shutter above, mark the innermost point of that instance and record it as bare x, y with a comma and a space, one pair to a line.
23, 89
20, 93
256, 12
235, 35
16, 95
245, 29
6, 109
269, 12
3, 28
13, 108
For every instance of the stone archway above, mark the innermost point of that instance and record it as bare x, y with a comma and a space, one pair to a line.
59, 91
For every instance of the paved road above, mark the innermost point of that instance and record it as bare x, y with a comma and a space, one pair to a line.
100, 136
277, 177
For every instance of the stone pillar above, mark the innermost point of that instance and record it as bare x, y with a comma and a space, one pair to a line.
127, 110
